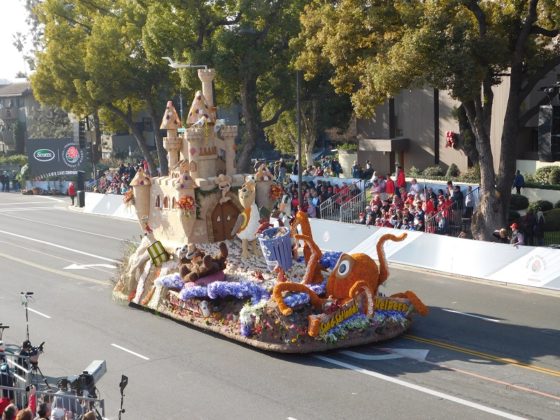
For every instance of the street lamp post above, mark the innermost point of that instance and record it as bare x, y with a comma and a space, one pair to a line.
177, 65
298, 120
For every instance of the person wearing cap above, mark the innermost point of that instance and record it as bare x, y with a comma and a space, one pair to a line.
516, 236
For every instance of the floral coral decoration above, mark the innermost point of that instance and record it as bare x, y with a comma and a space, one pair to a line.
128, 197
186, 203
276, 191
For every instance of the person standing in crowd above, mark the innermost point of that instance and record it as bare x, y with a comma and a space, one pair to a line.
414, 187
518, 182
356, 170
389, 186
457, 206
528, 223
539, 228
516, 235
72, 192
469, 203
401, 177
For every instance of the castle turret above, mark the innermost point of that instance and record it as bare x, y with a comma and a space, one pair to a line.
172, 143
206, 76
229, 133
195, 141
141, 185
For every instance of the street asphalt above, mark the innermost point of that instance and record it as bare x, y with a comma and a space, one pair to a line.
484, 351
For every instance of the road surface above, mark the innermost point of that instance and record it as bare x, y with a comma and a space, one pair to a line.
484, 351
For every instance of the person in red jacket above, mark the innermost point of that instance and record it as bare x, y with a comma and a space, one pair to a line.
72, 192
390, 186
401, 178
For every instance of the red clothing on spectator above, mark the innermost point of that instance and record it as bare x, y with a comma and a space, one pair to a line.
4, 402
71, 190
390, 186
401, 179
429, 207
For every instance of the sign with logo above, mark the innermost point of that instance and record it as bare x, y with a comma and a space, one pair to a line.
54, 157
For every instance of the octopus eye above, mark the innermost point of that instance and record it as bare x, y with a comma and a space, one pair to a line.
343, 268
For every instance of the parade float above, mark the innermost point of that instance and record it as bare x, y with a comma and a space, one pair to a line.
212, 258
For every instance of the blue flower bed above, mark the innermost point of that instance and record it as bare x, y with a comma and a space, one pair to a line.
221, 289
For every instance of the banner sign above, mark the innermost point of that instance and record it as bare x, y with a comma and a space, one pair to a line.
54, 157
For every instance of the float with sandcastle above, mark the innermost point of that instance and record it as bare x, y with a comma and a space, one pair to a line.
220, 253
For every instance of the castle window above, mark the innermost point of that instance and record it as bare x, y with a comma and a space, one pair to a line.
158, 203
173, 203
165, 202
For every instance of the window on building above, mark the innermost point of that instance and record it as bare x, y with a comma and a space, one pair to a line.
158, 203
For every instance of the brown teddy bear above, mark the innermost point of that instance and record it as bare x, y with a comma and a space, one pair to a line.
196, 264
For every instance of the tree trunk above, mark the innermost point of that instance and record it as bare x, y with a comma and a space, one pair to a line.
161, 152
506, 171
137, 135
253, 128
488, 217
310, 122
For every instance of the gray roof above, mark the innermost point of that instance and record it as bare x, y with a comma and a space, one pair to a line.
15, 89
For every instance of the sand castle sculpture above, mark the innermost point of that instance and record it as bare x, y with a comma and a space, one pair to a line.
197, 202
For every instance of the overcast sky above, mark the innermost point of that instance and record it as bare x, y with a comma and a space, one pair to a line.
12, 20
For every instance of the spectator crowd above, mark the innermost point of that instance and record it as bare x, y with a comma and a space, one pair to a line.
398, 204
116, 181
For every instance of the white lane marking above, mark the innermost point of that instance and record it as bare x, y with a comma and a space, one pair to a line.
86, 266
54, 271
370, 357
416, 354
38, 313
59, 246
130, 351
421, 388
19, 203
472, 316
18, 209
68, 228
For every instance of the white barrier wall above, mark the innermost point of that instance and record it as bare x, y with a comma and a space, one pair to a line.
524, 265
108, 205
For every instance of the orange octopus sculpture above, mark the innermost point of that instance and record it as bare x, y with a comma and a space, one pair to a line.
352, 275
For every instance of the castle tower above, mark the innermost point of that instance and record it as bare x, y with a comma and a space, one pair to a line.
172, 143
141, 185
229, 133
195, 141
206, 76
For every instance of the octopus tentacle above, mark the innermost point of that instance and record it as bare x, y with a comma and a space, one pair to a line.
316, 301
313, 271
414, 300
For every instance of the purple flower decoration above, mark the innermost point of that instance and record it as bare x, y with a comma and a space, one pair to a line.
171, 281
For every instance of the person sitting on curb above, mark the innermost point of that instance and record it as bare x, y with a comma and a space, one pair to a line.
501, 235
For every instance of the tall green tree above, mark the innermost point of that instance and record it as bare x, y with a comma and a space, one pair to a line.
93, 60
466, 47
48, 122
248, 44
320, 109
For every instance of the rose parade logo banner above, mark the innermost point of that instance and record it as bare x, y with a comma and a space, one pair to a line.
54, 157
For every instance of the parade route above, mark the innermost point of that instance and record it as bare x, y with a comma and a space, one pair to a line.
484, 351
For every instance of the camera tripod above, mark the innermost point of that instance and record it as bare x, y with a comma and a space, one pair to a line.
36, 371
